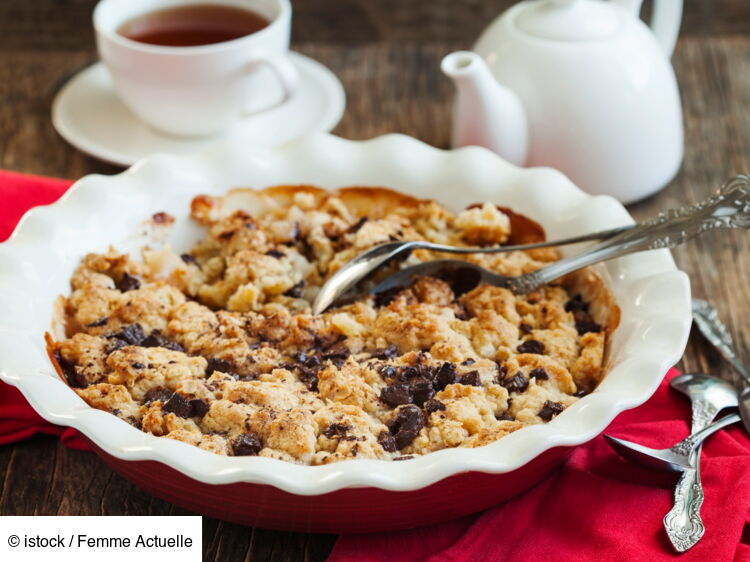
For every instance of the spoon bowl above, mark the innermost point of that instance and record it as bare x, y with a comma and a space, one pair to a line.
369, 261
705, 391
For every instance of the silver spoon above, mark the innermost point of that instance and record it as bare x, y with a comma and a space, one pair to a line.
376, 257
708, 396
677, 458
730, 208
710, 325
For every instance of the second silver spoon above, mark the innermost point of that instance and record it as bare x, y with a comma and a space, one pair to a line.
710, 325
678, 457
708, 396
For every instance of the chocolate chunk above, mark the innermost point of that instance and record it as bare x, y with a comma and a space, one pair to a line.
502, 371
199, 407
98, 323
216, 364
421, 391
550, 410
428, 371
160, 394
471, 379
313, 362
576, 303
403, 458
69, 371
188, 259
410, 372
245, 445
388, 371
468, 362
539, 374
525, 328
338, 350
296, 233
311, 382
405, 429
178, 405
127, 283
387, 441
113, 344
531, 346
585, 322
356, 226
460, 311
157, 339
388, 352
137, 365
580, 392
396, 395
384, 298
446, 375
307, 368
162, 218
505, 416
336, 430
131, 335
433, 406
275, 254
296, 291
516, 383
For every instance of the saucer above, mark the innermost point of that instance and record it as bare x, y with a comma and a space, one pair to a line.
88, 114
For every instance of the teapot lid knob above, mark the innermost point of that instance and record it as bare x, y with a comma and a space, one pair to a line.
569, 20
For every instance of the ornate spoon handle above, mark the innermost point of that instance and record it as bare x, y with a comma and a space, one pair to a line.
714, 330
683, 522
690, 444
729, 208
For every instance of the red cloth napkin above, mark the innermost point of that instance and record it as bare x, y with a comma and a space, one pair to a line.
18, 420
596, 507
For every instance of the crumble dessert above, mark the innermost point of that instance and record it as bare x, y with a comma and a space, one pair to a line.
217, 347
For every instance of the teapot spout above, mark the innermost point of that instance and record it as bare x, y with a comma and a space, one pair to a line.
485, 113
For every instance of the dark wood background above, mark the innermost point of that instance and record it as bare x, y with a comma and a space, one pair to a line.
386, 53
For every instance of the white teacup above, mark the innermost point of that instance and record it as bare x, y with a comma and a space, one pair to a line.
198, 90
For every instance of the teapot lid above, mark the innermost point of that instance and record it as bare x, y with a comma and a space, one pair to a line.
568, 20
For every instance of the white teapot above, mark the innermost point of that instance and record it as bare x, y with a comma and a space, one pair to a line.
583, 86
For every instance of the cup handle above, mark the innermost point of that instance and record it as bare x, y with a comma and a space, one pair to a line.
286, 73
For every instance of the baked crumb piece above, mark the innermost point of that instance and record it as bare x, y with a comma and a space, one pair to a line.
483, 226
217, 347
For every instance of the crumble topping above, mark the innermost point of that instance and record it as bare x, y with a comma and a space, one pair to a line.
217, 347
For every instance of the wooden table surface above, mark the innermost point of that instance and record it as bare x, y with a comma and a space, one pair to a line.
386, 54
